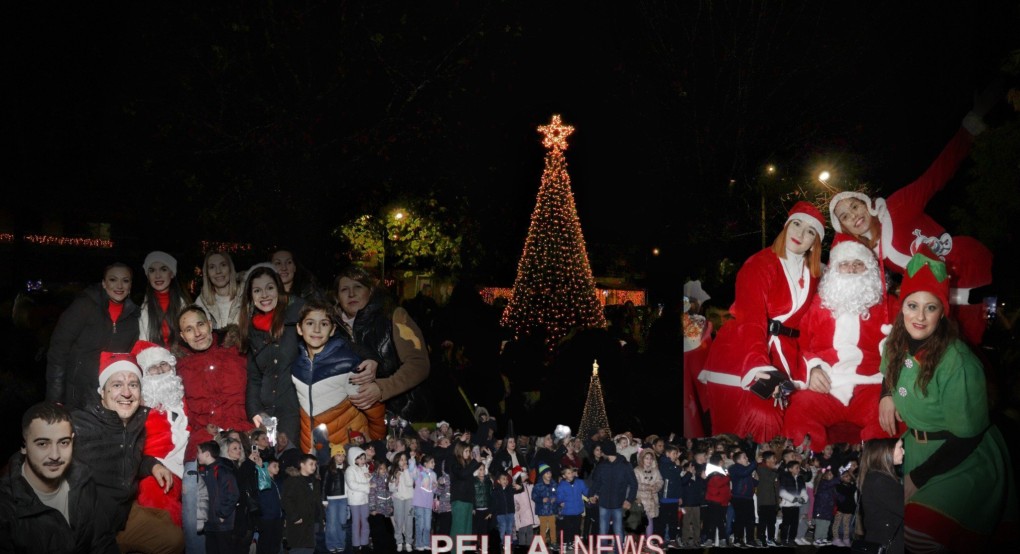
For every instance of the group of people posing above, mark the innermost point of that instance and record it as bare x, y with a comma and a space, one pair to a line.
839, 354
147, 386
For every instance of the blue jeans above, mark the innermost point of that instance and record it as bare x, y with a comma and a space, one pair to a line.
506, 525
611, 517
193, 542
337, 514
422, 526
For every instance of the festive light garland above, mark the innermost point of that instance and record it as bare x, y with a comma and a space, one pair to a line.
606, 297
554, 290
232, 247
50, 240
6, 237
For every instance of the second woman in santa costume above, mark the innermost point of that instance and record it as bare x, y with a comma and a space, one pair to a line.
774, 288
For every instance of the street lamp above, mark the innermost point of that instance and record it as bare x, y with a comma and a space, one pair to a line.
398, 215
770, 171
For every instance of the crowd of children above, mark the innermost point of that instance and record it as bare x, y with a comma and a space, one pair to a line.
801, 498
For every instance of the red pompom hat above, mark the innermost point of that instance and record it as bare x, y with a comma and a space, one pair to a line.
111, 363
807, 213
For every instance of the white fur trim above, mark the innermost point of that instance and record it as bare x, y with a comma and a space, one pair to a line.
117, 367
851, 250
154, 355
818, 226
959, 297
899, 259
174, 461
974, 124
843, 196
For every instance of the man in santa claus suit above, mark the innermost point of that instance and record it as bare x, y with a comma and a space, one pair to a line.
166, 429
838, 378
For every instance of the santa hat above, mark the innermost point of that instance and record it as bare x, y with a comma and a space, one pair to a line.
355, 434
845, 248
112, 363
843, 196
807, 213
925, 272
247, 274
161, 257
441, 423
148, 354
517, 472
335, 449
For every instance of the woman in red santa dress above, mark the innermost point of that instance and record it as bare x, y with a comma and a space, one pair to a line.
774, 288
837, 379
895, 227
166, 428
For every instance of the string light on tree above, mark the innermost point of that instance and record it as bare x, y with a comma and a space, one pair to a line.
594, 416
554, 290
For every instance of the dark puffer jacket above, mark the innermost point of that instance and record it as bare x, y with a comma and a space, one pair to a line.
82, 332
270, 384
28, 525
373, 338
114, 453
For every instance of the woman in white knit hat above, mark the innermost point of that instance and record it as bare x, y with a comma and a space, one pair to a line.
165, 298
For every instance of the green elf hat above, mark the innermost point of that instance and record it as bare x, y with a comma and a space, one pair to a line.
926, 272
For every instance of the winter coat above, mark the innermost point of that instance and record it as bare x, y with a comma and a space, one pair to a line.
570, 496
357, 482
403, 487
614, 482
462, 481
113, 451
846, 497
424, 486
333, 484
882, 510
218, 319
503, 462
83, 331
692, 489
271, 502
525, 516
825, 499
443, 500
221, 482
324, 387
549, 458
270, 385
380, 499
215, 381
28, 525
650, 482
302, 506
545, 498
792, 490
396, 342
483, 490
145, 331
671, 477
768, 486
501, 499
742, 479
717, 489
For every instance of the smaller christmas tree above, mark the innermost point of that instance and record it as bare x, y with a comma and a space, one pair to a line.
594, 416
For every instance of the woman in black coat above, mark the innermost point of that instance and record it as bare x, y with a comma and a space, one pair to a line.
269, 338
102, 319
881, 493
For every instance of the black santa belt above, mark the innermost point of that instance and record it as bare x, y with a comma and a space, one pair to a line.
777, 328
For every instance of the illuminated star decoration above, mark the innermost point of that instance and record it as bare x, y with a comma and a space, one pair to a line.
556, 133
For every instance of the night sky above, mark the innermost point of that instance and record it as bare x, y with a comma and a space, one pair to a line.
272, 125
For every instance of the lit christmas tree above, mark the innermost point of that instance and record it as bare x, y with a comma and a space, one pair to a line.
554, 290
594, 416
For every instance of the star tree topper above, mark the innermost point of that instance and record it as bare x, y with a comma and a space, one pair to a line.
556, 133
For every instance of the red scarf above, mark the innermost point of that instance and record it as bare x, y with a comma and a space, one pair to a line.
164, 302
115, 310
262, 321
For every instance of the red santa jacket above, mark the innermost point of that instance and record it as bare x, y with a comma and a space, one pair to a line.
214, 388
848, 348
905, 225
161, 441
743, 345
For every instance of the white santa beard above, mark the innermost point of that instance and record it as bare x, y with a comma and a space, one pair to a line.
850, 293
166, 390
